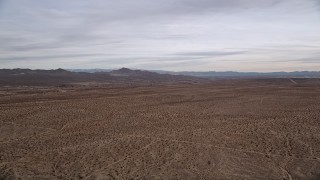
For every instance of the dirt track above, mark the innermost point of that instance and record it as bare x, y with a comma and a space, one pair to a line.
245, 129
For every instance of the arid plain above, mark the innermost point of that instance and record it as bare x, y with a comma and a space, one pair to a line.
228, 129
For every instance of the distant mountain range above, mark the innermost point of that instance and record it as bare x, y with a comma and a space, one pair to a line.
59, 77
297, 74
225, 74
89, 70
125, 76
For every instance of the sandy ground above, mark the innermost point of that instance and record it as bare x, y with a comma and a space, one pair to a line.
245, 129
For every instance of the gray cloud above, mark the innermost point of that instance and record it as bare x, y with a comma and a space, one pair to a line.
149, 32
46, 57
210, 53
314, 60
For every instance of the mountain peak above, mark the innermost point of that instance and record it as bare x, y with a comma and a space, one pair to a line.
124, 70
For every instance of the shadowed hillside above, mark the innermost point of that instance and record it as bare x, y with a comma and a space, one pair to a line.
58, 77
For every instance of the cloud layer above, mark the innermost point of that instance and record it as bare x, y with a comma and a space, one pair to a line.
199, 35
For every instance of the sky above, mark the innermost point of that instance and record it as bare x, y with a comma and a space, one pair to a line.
175, 35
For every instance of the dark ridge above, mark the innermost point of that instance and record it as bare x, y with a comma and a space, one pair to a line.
61, 77
215, 74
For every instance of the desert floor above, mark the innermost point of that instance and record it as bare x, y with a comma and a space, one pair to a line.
233, 129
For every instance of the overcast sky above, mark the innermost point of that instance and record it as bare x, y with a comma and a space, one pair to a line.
197, 35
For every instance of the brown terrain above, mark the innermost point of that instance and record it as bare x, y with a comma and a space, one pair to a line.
191, 129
